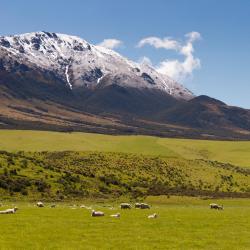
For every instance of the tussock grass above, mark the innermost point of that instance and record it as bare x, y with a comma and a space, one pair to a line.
64, 175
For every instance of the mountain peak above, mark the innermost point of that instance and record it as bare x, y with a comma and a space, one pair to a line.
207, 99
80, 64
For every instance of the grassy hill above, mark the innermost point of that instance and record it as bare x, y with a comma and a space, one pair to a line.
57, 165
67, 175
234, 152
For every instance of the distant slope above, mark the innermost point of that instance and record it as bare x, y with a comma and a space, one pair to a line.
208, 113
235, 152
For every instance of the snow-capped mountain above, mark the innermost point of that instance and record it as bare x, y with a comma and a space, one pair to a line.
58, 82
81, 64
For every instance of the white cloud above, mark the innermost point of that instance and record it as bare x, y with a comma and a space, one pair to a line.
165, 43
179, 70
111, 43
193, 36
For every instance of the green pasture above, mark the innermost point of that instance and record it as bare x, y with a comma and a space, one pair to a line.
235, 152
183, 223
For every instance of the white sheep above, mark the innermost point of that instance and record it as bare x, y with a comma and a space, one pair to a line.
97, 213
216, 206
9, 211
125, 206
153, 216
137, 205
145, 206
39, 204
118, 215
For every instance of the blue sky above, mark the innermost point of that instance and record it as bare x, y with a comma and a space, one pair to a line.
224, 25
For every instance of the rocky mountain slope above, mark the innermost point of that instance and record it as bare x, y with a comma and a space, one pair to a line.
60, 82
78, 63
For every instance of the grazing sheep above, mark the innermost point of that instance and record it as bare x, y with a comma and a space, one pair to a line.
137, 205
142, 206
125, 206
9, 211
216, 206
145, 206
213, 205
115, 215
97, 213
153, 216
39, 204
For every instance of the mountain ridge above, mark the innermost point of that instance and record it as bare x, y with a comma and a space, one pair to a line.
60, 82
79, 63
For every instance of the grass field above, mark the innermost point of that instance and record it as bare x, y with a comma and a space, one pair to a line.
235, 152
101, 170
183, 223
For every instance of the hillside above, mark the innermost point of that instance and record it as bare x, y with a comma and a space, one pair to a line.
67, 175
234, 152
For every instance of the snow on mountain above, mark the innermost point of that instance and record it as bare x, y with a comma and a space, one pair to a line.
80, 64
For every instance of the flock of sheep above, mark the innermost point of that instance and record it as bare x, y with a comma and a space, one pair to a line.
125, 206
93, 212
100, 213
